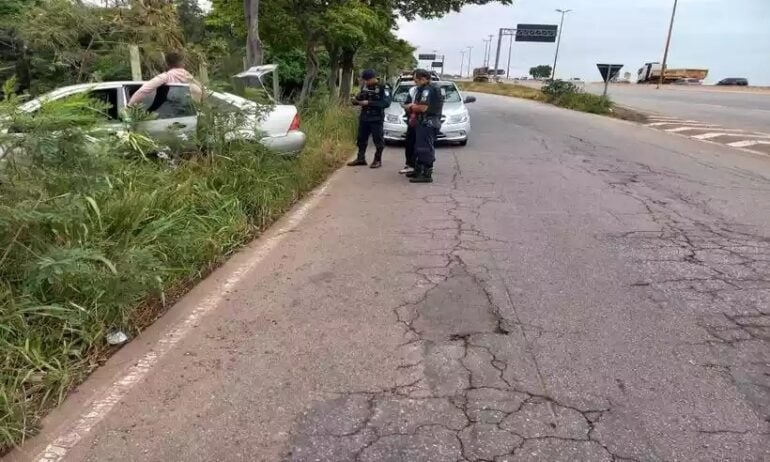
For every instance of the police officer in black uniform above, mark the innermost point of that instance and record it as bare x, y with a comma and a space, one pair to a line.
428, 105
373, 98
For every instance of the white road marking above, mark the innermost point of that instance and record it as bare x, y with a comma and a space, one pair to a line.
679, 122
692, 128
708, 136
57, 450
748, 143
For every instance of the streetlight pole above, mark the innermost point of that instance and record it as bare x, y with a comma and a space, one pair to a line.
488, 50
470, 71
462, 62
489, 53
558, 42
668, 44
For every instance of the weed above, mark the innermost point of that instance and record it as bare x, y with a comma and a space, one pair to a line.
93, 230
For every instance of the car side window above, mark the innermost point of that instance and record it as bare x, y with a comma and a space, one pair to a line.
168, 101
108, 96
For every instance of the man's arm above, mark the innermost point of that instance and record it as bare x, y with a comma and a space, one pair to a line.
384, 101
146, 89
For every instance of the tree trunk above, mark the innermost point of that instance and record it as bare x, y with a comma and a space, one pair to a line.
254, 52
346, 84
334, 70
311, 72
22, 65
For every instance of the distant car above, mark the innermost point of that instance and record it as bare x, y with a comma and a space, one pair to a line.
173, 109
687, 82
739, 81
455, 120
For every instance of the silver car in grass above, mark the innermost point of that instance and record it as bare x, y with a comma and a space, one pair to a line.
277, 128
455, 120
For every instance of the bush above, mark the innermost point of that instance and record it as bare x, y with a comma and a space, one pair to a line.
569, 96
586, 102
93, 236
556, 89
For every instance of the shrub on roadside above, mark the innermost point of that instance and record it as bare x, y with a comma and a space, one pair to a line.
569, 96
90, 232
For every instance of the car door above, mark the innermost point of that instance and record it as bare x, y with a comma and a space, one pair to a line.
172, 109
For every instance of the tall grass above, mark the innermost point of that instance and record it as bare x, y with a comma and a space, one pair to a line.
559, 93
93, 239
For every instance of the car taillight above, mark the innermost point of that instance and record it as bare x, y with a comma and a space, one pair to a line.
294, 123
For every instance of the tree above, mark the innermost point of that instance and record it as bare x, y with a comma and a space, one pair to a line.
541, 72
348, 27
254, 52
192, 20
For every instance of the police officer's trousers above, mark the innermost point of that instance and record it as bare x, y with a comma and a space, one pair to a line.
409, 152
426, 133
375, 130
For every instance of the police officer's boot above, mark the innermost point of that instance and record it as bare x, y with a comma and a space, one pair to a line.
360, 160
377, 163
425, 176
414, 173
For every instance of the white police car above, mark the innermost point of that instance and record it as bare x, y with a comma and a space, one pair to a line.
455, 119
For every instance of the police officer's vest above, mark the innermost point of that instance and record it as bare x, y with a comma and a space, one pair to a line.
372, 113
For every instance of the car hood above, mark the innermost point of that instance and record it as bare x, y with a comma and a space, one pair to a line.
449, 108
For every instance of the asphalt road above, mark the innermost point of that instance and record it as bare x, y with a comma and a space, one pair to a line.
733, 108
571, 288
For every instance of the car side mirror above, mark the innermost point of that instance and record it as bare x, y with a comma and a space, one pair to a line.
469, 99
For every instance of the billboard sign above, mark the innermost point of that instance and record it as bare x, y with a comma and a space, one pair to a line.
427, 57
544, 33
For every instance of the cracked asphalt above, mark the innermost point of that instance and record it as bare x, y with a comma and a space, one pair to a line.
571, 288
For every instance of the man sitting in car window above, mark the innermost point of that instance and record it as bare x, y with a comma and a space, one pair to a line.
176, 73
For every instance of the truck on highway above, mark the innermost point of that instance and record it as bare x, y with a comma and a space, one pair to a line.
481, 74
650, 73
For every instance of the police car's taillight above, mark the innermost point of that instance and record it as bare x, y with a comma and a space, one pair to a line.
294, 123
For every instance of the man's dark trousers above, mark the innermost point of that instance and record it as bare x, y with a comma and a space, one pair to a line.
375, 130
410, 153
426, 133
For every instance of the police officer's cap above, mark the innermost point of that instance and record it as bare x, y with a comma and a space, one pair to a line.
368, 74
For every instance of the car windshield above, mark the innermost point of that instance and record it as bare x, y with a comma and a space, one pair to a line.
448, 90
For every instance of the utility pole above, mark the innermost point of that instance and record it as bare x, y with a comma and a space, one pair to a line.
668, 44
558, 43
510, 46
462, 62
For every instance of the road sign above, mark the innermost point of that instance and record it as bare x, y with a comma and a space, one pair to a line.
609, 71
536, 33
436, 64
427, 57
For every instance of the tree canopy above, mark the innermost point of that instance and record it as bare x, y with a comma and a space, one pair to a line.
541, 72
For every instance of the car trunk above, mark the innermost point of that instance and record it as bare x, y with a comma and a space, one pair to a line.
264, 80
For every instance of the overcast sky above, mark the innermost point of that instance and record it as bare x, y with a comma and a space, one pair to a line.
729, 37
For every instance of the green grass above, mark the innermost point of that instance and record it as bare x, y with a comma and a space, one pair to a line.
94, 240
570, 99
504, 89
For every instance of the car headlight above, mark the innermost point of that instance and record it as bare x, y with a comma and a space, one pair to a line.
458, 118
392, 118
